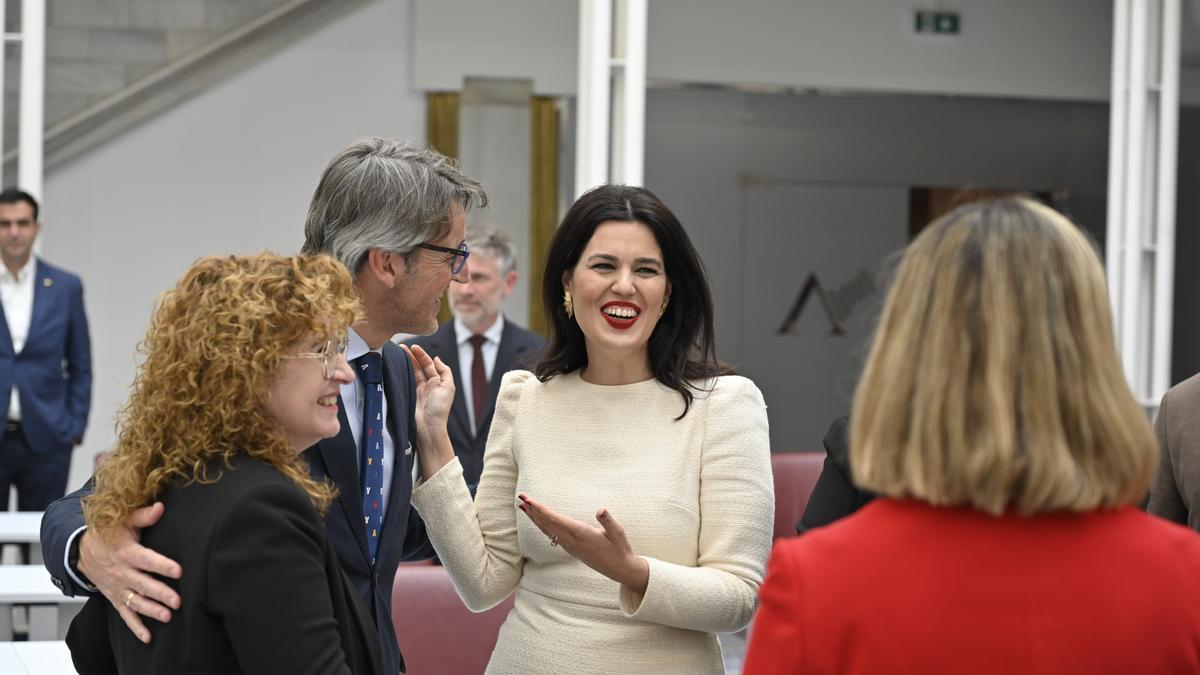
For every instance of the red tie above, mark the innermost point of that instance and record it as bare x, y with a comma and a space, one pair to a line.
478, 378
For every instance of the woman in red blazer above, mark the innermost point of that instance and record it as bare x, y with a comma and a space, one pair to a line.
994, 419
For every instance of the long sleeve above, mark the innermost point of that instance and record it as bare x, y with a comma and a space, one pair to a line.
736, 510
477, 541
79, 367
1165, 499
776, 642
266, 580
834, 496
62, 519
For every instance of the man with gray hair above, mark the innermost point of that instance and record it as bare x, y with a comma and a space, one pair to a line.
480, 345
394, 214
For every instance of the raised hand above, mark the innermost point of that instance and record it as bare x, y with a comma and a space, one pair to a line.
121, 568
435, 395
435, 389
604, 549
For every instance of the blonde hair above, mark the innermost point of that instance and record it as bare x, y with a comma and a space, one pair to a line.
994, 380
215, 343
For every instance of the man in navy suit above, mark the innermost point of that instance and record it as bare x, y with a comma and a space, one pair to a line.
45, 362
394, 214
480, 344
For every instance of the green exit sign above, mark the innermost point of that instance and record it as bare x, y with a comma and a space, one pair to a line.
936, 23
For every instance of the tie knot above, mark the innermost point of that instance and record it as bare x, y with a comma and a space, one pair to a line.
369, 367
477, 341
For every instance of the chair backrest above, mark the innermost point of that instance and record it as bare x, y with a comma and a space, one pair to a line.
795, 474
436, 631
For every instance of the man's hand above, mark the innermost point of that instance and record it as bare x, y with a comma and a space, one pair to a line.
120, 567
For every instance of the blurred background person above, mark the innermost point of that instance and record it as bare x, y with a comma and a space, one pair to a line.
243, 362
649, 463
1175, 492
480, 344
834, 496
994, 418
45, 362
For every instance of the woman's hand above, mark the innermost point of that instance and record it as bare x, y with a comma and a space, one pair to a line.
435, 394
604, 549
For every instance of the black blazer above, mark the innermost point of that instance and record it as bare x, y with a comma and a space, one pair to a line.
403, 536
263, 591
518, 349
835, 495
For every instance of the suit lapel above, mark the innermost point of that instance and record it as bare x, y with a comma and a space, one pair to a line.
341, 461
6, 343
44, 292
395, 378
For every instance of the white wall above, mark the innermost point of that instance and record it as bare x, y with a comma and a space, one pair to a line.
513, 39
231, 170
1056, 49
1044, 49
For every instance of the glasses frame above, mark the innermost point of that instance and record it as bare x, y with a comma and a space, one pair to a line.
327, 355
460, 254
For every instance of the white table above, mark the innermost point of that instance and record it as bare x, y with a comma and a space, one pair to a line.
50, 612
35, 658
22, 527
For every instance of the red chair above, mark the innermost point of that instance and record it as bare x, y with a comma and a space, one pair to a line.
795, 474
436, 631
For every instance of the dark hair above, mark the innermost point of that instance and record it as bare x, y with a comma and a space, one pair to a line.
682, 347
14, 195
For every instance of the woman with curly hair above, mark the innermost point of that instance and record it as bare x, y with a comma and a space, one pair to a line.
243, 361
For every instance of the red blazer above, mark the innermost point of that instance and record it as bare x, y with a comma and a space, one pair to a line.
905, 587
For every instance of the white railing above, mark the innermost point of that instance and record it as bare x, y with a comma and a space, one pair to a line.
611, 113
1143, 139
31, 116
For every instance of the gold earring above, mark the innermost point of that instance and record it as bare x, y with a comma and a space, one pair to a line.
568, 305
663, 310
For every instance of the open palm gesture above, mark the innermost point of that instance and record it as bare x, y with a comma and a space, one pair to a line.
435, 391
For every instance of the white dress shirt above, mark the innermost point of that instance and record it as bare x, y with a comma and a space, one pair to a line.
16, 293
466, 359
353, 401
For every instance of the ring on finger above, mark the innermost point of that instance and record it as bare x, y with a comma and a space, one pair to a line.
129, 596
554, 540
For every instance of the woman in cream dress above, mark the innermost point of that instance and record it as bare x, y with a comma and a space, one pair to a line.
641, 467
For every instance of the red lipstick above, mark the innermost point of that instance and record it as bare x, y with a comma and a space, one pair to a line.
620, 322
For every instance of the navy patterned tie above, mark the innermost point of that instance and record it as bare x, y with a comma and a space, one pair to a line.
370, 371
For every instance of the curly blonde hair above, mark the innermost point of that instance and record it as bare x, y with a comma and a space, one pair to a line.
216, 341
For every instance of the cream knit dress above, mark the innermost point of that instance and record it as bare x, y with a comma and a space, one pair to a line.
694, 496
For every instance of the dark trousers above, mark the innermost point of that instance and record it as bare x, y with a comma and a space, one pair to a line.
39, 479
